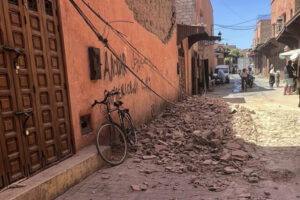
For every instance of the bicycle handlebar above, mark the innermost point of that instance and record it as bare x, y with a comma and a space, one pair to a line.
107, 94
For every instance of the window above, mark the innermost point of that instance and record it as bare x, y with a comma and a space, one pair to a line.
200, 19
291, 13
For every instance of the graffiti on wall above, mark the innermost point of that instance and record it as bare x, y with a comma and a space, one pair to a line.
114, 69
128, 88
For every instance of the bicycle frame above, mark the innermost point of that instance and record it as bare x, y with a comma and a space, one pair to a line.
120, 115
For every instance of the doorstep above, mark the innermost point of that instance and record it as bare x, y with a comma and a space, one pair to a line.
56, 180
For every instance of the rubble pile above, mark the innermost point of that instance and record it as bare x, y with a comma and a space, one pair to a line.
244, 125
194, 136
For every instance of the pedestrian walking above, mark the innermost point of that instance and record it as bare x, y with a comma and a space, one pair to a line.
277, 78
289, 78
295, 67
272, 76
298, 82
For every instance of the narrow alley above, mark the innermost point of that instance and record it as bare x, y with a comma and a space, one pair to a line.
206, 149
149, 100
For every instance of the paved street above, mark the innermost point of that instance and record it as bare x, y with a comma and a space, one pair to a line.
264, 125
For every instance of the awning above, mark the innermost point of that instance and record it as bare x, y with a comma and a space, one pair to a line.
184, 31
289, 35
194, 34
291, 55
270, 43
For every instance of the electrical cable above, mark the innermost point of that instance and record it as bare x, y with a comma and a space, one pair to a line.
235, 26
105, 42
119, 34
226, 5
238, 29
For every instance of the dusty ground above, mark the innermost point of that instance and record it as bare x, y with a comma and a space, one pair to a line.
264, 125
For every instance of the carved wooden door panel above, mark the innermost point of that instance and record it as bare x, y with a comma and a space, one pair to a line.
37, 84
49, 81
56, 79
12, 164
22, 80
42, 80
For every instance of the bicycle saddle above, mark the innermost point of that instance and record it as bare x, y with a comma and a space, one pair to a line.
118, 103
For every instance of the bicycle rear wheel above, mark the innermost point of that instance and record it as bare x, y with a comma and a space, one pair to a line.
112, 137
129, 129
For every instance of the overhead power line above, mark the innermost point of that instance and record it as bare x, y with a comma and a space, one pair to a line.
106, 44
121, 36
232, 10
237, 27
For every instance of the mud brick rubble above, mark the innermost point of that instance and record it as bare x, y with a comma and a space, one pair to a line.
196, 136
244, 123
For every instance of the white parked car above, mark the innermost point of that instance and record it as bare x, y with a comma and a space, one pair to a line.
225, 69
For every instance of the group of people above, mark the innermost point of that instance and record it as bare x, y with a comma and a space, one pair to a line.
291, 76
246, 75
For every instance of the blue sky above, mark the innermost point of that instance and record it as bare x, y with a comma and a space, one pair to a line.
231, 12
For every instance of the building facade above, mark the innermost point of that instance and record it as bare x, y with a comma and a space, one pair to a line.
288, 33
46, 92
282, 11
219, 54
262, 34
195, 44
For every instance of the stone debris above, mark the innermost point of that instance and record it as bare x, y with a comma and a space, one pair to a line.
135, 187
105, 176
149, 157
244, 123
230, 170
194, 136
141, 187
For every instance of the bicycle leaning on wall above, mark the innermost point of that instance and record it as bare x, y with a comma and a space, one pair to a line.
112, 138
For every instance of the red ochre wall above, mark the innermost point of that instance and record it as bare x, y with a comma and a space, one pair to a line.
77, 37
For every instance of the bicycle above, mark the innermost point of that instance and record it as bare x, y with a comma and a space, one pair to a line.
113, 135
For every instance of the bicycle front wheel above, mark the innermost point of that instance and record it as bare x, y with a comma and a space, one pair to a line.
111, 143
130, 130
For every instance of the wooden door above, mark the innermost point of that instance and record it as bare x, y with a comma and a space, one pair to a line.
57, 81
39, 85
48, 78
11, 131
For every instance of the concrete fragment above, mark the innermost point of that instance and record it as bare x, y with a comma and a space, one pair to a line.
233, 145
135, 187
149, 157
240, 154
230, 170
